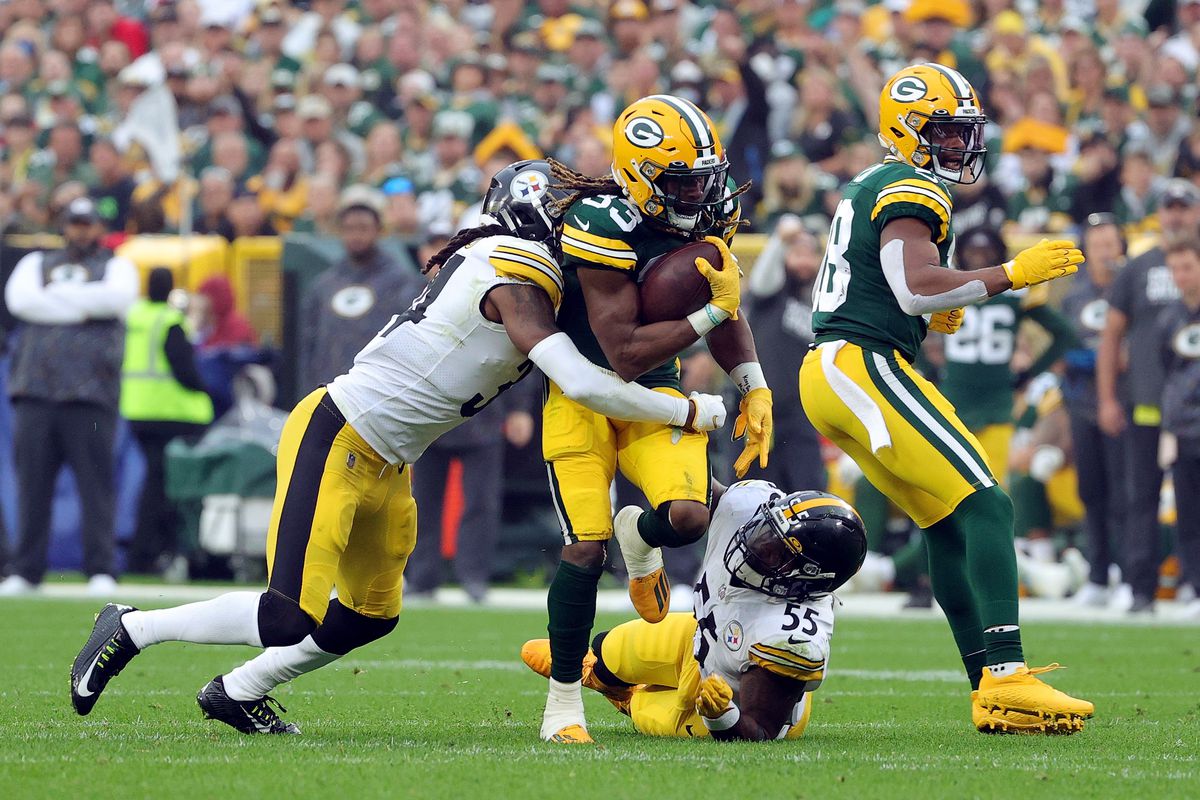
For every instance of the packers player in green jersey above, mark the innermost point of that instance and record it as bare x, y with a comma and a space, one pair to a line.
884, 283
669, 186
978, 378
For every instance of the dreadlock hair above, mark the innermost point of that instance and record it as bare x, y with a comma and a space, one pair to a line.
577, 185
461, 240
581, 186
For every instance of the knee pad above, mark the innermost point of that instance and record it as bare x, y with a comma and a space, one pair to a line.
344, 629
281, 621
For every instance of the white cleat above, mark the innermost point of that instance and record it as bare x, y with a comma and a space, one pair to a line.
1122, 598
103, 586
16, 586
648, 586
1091, 595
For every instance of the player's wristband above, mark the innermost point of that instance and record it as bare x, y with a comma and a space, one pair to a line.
724, 722
707, 318
748, 376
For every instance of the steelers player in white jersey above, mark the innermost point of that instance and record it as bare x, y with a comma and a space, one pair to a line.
344, 515
765, 609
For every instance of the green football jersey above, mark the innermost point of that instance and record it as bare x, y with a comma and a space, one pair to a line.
609, 232
851, 296
978, 377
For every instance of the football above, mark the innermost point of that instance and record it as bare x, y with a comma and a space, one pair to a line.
672, 287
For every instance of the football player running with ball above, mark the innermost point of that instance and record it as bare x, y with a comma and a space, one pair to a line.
344, 515
765, 608
884, 283
669, 186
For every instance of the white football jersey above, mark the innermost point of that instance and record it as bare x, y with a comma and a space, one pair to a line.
740, 628
442, 361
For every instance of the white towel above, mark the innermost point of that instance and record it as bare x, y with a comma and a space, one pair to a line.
859, 402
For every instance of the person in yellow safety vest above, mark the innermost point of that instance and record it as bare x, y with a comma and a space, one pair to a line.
162, 396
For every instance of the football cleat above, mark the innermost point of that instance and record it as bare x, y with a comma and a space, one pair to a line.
996, 721
102, 658
649, 589
247, 716
572, 734
796, 729
536, 655
1024, 693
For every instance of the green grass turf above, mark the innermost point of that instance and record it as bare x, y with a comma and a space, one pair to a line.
443, 708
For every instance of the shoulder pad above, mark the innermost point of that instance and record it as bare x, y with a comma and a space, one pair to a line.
515, 258
593, 234
798, 660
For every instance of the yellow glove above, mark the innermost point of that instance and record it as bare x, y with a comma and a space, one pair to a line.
725, 281
946, 321
755, 422
1043, 262
714, 698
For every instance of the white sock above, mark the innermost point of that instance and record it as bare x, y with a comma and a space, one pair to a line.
1005, 668
259, 676
229, 619
564, 707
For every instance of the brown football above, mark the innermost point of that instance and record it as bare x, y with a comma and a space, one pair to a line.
672, 287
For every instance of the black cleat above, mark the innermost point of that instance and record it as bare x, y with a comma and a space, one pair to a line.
106, 653
248, 716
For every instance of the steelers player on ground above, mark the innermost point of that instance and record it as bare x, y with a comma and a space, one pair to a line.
978, 378
344, 516
669, 186
764, 602
882, 286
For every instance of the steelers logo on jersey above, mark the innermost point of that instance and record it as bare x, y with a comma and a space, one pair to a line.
734, 636
353, 301
1093, 315
1186, 341
644, 132
528, 186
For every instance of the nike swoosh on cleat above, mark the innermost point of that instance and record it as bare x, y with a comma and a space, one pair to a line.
83, 689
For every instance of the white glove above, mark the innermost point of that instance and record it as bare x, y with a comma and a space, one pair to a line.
710, 412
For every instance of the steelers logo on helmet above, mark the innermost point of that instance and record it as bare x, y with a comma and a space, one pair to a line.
644, 132
528, 186
1186, 342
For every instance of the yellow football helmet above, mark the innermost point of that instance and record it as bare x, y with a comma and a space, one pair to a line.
670, 163
929, 117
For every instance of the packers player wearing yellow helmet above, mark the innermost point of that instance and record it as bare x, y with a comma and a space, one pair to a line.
669, 186
884, 283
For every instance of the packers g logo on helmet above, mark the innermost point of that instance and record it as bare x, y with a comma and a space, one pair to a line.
669, 162
644, 132
929, 117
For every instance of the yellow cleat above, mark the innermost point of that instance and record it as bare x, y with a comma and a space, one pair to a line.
536, 655
796, 730
1023, 693
996, 721
572, 734
649, 588
651, 596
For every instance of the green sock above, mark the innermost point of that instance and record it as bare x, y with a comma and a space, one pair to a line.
872, 507
986, 519
952, 589
911, 561
571, 604
655, 528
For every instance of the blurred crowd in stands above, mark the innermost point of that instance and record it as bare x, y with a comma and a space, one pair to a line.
254, 117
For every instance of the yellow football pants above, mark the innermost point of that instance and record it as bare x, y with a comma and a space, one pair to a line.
925, 460
342, 517
996, 441
659, 656
583, 450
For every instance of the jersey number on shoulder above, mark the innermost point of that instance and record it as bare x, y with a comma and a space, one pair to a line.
986, 336
416, 312
829, 291
626, 218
